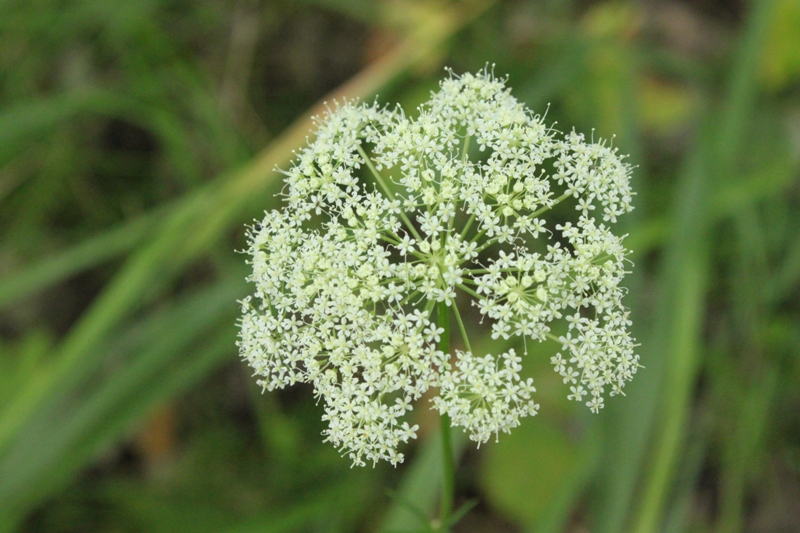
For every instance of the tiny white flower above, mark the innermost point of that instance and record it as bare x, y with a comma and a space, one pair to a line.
388, 214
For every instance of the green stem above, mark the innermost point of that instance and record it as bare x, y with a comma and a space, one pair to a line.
465, 149
467, 226
469, 291
552, 337
462, 328
476, 271
448, 467
383, 185
486, 244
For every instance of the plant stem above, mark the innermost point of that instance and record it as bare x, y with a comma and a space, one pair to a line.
448, 467
387, 191
462, 328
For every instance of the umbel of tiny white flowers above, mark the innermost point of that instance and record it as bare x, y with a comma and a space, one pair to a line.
387, 215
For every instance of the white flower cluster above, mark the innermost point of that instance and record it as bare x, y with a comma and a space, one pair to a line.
388, 215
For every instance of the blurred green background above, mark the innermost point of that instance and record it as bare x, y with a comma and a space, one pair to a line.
138, 138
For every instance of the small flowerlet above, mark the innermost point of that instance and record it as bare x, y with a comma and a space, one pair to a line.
387, 215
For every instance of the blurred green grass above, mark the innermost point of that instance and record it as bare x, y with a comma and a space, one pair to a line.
137, 139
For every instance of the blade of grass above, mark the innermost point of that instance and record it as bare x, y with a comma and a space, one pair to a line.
26, 121
627, 432
685, 275
741, 448
678, 515
69, 430
687, 265
769, 182
91, 252
745, 389
421, 485
787, 276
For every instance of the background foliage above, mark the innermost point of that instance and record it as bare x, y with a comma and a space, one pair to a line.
138, 138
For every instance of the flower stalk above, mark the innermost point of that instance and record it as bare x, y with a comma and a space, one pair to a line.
448, 462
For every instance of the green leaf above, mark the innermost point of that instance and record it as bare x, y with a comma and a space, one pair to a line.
534, 474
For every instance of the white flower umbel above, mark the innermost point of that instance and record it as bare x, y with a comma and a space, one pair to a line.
388, 215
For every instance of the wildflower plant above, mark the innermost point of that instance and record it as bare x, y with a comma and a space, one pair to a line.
393, 225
